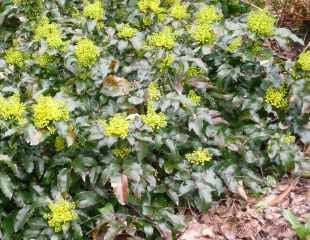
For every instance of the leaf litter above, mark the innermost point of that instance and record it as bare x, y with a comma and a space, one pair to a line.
247, 218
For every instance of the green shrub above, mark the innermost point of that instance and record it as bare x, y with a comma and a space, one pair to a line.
117, 115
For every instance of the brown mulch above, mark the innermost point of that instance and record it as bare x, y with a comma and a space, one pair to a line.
257, 219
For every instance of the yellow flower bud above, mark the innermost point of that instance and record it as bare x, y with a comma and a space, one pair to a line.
87, 53
61, 213
199, 156
48, 111
164, 39
261, 23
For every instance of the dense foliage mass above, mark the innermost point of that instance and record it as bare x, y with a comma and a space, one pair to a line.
116, 116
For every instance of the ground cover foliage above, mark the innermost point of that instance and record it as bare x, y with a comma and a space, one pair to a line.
116, 116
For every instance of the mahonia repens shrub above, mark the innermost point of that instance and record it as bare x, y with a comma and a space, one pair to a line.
115, 116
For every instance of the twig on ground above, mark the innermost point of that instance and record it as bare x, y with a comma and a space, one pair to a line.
278, 199
308, 45
251, 4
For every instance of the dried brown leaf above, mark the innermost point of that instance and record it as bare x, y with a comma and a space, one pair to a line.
200, 83
120, 187
241, 191
115, 86
165, 232
197, 231
278, 199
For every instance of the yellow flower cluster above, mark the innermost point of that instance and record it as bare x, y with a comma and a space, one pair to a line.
43, 60
15, 57
125, 31
87, 53
146, 6
121, 152
153, 92
199, 156
50, 32
48, 111
61, 213
261, 23
94, 10
194, 97
12, 109
277, 97
304, 61
289, 139
203, 33
179, 11
208, 15
59, 144
234, 45
154, 120
118, 126
164, 39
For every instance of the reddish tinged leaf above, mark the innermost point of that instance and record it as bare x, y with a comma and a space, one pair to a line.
307, 150
165, 232
120, 187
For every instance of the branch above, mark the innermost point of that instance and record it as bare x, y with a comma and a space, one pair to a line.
251, 4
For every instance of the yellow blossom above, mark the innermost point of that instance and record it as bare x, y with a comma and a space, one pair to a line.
194, 97
208, 15
203, 34
125, 31
43, 60
146, 6
87, 53
61, 213
234, 45
12, 109
261, 23
164, 39
15, 57
179, 11
153, 92
94, 10
289, 139
59, 144
277, 97
121, 152
304, 61
154, 120
199, 156
48, 111
50, 32
118, 126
